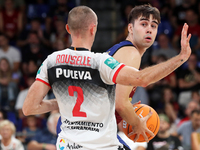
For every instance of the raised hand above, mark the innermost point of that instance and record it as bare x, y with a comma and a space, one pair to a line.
185, 45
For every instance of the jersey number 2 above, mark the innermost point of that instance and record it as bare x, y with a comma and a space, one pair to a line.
76, 110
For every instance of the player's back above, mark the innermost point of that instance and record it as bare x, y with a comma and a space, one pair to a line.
84, 97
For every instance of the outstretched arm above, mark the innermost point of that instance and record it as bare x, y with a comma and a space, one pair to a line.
130, 76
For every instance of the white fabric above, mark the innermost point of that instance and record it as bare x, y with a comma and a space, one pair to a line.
13, 55
97, 130
130, 143
15, 144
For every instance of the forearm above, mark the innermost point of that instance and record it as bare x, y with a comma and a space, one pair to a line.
43, 107
130, 76
126, 111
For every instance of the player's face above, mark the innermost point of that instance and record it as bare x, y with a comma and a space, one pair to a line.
144, 31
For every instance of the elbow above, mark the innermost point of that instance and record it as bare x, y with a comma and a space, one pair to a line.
25, 111
143, 82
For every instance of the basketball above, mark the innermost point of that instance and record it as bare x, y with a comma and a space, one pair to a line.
153, 123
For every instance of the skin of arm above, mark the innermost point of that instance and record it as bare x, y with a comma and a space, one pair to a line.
130, 56
194, 141
34, 103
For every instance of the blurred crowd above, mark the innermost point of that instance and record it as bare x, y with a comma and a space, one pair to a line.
31, 30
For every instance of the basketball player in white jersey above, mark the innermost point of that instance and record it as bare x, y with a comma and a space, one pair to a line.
80, 81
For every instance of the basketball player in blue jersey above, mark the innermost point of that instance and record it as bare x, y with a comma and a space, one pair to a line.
142, 30
81, 83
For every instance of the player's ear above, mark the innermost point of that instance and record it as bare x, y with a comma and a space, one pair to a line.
130, 28
93, 29
67, 28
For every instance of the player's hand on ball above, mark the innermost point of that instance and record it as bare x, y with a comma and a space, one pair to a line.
141, 129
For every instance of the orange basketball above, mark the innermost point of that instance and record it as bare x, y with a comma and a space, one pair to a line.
153, 123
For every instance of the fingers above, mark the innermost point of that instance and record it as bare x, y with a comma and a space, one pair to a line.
150, 132
137, 103
189, 37
131, 133
184, 31
149, 115
145, 137
136, 137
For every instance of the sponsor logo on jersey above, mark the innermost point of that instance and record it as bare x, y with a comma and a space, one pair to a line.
61, 148
62, 140
38, 72
111, 62
73, 146
73, 74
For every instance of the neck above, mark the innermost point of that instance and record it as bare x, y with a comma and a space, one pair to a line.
141, 50
81, 42
6, 142
163, 134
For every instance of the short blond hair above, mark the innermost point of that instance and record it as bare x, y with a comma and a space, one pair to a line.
9, 123
80, 18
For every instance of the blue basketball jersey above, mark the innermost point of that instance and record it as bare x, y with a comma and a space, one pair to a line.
116, 47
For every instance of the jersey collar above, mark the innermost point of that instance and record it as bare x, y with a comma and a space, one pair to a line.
78, 48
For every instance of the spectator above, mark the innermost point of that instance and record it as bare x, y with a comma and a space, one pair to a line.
186, 129
18, 4
194, 28
59, 11
35, 26
171, 107
31, 129
61, 33
28, 68
22, 95
33, 50
188, 79
179, 12
38, 9
8, 141
192, 105
164, 48
10, 20
46, 139
11, 53
59, 45
164, 140
7, 87
196, 96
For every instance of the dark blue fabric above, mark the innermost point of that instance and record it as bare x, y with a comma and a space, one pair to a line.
122, 142
58, 126
114, 49
45, 137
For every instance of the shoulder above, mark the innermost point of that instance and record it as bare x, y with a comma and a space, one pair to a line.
128, 55
185, 125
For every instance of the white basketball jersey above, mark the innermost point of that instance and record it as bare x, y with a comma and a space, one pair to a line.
81, 82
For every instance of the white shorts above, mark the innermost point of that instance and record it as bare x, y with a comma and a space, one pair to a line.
64, 144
